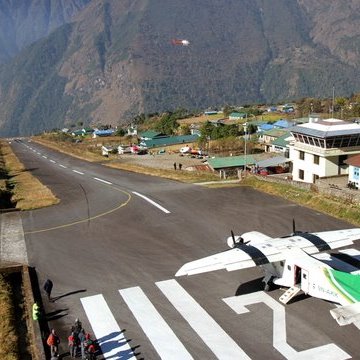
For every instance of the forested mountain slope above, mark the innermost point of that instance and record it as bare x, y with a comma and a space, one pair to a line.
115, 59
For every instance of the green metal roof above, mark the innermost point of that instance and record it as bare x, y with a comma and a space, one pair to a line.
275, 132
151, 134
237, 114
231, 161
170, 140
280, 141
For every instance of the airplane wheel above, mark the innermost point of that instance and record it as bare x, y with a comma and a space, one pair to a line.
268, 286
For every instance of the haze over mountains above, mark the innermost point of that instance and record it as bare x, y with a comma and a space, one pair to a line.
104, 61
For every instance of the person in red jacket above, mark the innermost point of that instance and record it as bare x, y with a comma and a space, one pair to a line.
53, 341
72, 345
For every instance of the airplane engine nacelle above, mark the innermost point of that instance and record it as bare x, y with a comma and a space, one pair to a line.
251, 237
255, 237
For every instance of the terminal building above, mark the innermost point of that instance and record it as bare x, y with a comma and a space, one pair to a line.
321, 147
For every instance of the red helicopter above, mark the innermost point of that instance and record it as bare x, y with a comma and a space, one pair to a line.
180, 42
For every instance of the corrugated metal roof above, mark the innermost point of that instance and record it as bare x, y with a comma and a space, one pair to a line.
281, 140
170, 140
273, 161
231, 161
354, 160
283, 123
275, 132
327, 128
151, 134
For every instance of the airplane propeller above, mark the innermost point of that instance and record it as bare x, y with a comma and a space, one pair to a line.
236, 240
294, 231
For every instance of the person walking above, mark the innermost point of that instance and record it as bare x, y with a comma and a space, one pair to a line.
48, 288
174, 165
72, 345
82, 339
180, 166
53, 341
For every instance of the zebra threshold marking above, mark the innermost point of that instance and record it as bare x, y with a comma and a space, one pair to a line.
107, 331
166, 343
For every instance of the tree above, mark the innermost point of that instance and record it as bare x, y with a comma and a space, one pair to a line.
206, 129
185, 129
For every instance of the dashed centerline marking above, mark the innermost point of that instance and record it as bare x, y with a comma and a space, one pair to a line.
103, 181
78, 172
152, 202
45, 157
63, 166
53, 161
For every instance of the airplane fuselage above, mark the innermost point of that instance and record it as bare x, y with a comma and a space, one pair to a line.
303, 271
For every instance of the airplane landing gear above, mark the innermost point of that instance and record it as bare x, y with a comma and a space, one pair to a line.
268, 284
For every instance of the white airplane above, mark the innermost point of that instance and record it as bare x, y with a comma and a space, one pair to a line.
288, 261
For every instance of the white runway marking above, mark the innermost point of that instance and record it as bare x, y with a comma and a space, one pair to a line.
152, 202
157, 330
53, 161
108, 333
78, 172
219, 342
103, 181
45, 157
325, 352
63, 166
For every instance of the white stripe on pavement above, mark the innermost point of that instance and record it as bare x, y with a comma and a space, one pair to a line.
152, 202
45, 157
63, 166
219, 342
112, 342
103, 181
53, 161
157, 330
78, 172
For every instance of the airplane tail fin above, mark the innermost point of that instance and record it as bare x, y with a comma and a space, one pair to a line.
347, 314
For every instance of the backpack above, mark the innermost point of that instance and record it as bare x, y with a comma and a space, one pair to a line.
51, 340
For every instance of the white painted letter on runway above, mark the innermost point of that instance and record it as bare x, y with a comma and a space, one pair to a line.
328, 352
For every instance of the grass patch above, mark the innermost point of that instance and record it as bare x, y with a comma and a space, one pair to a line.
340, 208
27, 191
8, 335
184, 176
90, 151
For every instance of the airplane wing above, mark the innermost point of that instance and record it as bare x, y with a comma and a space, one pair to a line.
346, 315
240, 257
263, 250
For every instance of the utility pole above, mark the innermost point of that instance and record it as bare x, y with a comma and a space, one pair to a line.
245, 129
333, 102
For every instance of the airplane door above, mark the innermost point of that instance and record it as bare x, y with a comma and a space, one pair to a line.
304, 281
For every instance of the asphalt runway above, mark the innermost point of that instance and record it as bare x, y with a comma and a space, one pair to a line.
114, 243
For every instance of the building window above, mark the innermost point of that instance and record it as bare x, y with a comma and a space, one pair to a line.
316, 159
301, 174
301, 155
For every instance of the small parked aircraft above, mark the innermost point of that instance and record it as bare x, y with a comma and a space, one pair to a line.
288, 261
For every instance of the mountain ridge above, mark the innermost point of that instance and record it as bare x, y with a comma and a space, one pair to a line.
115, 59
